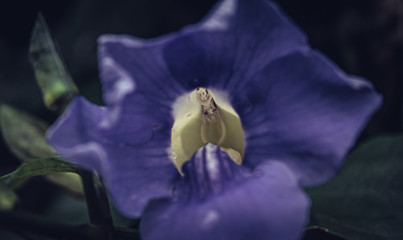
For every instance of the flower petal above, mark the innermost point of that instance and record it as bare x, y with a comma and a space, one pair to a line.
306, 111
236, 40
134, 170
267, 205
130, 65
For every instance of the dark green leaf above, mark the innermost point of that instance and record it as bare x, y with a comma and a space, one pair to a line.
315, 233
66, 209
24, 134
365, 201
36, 167
55, 82
10, 235
7, 198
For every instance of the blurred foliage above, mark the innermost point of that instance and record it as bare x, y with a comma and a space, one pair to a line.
24, 134
316, 232
365, 201
69, 181
25, 137
7, 198
55, 82
36, 167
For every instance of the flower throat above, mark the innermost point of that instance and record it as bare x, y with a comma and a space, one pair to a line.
201, 118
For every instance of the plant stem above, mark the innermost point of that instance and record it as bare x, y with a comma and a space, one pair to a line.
97, 203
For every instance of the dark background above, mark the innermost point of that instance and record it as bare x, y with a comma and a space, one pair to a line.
364, 37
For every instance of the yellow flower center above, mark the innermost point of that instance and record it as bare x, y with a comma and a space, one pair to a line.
202, 117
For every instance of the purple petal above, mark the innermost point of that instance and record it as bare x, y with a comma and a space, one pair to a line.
129, 65
305, 111
266, 205
236, 40
135, 166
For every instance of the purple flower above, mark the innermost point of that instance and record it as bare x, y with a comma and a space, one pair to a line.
292, 116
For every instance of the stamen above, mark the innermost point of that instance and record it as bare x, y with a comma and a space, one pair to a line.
200, 119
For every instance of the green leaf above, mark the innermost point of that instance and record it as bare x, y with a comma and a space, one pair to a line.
365, 201
36, 167
24, 134
7, 198
53, 78
69, 181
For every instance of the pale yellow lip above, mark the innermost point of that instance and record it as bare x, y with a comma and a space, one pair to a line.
202, 119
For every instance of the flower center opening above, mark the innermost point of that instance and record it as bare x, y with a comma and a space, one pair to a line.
203, 117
